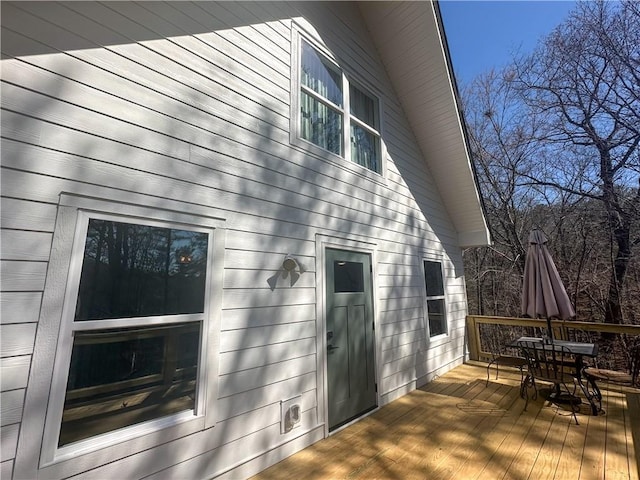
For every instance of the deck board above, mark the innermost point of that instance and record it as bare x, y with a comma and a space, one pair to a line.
632, 426
457, 428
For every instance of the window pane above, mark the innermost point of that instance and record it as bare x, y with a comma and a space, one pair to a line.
363, 107
365, 148
319, 77
348, 277
433, 278
437, 321
136, 271
122, 377
321, 124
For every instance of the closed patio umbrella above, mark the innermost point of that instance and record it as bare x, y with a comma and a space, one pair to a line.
543, 293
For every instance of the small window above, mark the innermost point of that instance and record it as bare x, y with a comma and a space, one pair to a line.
436, 311
325, 120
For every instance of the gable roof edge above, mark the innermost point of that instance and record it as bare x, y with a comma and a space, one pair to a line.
416, 57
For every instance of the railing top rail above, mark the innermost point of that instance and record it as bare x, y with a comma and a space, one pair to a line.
587, 326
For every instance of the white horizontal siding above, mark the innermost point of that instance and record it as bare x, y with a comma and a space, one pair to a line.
233, 340
8, 443
93, 81
243, 298
250, 197
243, 279
247, 380
265, 355
11, 406
225, 445
19, 307
250, 259
250, 400
185, 107
242, 318
22, 215
6, 469
25, 245
17, 339
14, 372
271, 243
22, 276
235, 451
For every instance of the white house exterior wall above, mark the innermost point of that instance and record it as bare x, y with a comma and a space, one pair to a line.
186, 107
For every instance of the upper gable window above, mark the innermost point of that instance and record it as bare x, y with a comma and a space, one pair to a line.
325, 120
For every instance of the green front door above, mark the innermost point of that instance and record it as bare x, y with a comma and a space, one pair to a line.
350, 341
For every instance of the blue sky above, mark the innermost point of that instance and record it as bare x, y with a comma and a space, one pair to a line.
484, 34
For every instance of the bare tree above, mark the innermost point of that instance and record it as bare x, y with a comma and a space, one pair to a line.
584, 80
506, 149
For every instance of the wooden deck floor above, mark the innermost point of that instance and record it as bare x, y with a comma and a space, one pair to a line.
456, 428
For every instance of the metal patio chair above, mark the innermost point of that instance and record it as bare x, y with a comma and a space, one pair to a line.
503, 355
630, 376
553, 364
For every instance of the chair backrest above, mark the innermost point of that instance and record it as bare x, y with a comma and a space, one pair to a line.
550, 362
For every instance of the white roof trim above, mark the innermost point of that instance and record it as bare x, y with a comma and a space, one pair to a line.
417, 63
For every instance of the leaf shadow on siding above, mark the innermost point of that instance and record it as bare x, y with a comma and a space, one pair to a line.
174, 109
95, 121
20, 20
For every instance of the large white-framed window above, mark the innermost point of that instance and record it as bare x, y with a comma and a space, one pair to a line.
336, 113
137, 351
435, 302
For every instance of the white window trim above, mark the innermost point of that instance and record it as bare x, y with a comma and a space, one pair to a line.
54, 341
295, 137
445, 335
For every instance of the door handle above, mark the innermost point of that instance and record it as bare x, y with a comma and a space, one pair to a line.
331, 347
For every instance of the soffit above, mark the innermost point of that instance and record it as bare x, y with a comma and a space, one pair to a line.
407, 37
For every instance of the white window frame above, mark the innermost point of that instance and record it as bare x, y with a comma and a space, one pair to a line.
347, 119
442, 297
68, 244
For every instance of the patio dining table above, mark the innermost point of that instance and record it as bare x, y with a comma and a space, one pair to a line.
579, 350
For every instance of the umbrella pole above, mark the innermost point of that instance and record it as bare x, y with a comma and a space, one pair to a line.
549, 330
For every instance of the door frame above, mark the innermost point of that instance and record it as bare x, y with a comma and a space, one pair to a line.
324, 242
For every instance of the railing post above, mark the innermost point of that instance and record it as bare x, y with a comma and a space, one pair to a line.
473, 338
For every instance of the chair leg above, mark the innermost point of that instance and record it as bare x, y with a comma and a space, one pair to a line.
526, 396
595, 390
574, 406
574, 409
524, 390
489, 371
592, 391
535, 387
